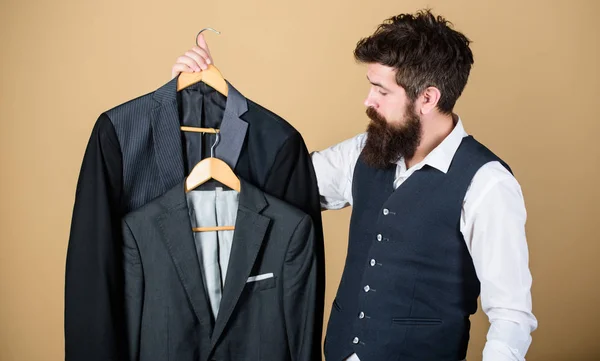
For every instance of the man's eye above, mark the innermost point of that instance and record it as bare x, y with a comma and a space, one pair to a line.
383, 93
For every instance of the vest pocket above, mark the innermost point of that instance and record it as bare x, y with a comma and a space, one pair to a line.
409, 321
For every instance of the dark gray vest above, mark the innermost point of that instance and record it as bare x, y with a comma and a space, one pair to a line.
409, 284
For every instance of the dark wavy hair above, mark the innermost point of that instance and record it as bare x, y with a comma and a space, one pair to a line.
425, 51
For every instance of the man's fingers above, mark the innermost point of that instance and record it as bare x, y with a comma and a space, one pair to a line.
203, 53
180, 68
197, 58
202, 43
195, 64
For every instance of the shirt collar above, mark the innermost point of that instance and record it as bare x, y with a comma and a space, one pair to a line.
441, 156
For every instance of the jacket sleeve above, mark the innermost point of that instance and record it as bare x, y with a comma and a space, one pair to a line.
300, 292
292, 179
134, 291
94, 327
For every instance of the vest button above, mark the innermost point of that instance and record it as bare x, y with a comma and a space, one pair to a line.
355, 341
372, 262
379, 237
361, 315
367, 288
386, 211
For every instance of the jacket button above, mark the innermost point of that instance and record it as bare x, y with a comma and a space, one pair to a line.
386, 211
372, 262
361, 315
367, 288
379, 237
355, 341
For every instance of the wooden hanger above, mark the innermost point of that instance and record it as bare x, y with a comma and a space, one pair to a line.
211, 76
199, 130
212, 168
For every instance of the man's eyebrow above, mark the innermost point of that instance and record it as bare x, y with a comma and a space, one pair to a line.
377, 84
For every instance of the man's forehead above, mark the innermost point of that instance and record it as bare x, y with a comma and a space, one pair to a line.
380, 70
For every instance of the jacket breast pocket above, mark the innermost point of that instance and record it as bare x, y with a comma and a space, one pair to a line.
261, 282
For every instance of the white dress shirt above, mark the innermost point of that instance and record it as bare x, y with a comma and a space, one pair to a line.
213, 208
493, 225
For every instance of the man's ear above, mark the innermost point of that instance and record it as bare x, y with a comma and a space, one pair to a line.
428, 100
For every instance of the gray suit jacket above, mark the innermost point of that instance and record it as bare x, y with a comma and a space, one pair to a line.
167, 309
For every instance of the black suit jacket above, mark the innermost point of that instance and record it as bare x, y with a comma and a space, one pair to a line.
167, 308
135, 154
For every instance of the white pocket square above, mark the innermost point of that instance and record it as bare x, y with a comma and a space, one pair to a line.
259, 277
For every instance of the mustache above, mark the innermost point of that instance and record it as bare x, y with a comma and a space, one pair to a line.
376, 117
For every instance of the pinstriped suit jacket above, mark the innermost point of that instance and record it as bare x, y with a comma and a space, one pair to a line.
135, 154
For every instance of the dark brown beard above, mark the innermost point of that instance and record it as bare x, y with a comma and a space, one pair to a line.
387, 143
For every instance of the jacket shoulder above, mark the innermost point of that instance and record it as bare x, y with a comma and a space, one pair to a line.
273, 123
134, 109
171, 201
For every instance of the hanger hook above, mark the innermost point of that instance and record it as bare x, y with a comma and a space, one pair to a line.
200, 32
212, 151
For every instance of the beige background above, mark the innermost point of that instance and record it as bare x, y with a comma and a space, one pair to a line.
532, 97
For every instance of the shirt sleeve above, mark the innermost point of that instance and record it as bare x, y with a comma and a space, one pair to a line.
493, 224
94, 328
334, 167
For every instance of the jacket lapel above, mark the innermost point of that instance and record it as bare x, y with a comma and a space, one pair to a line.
167, 135
250, 230
177, 235
233, 128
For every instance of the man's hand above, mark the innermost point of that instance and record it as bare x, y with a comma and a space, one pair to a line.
194, 60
